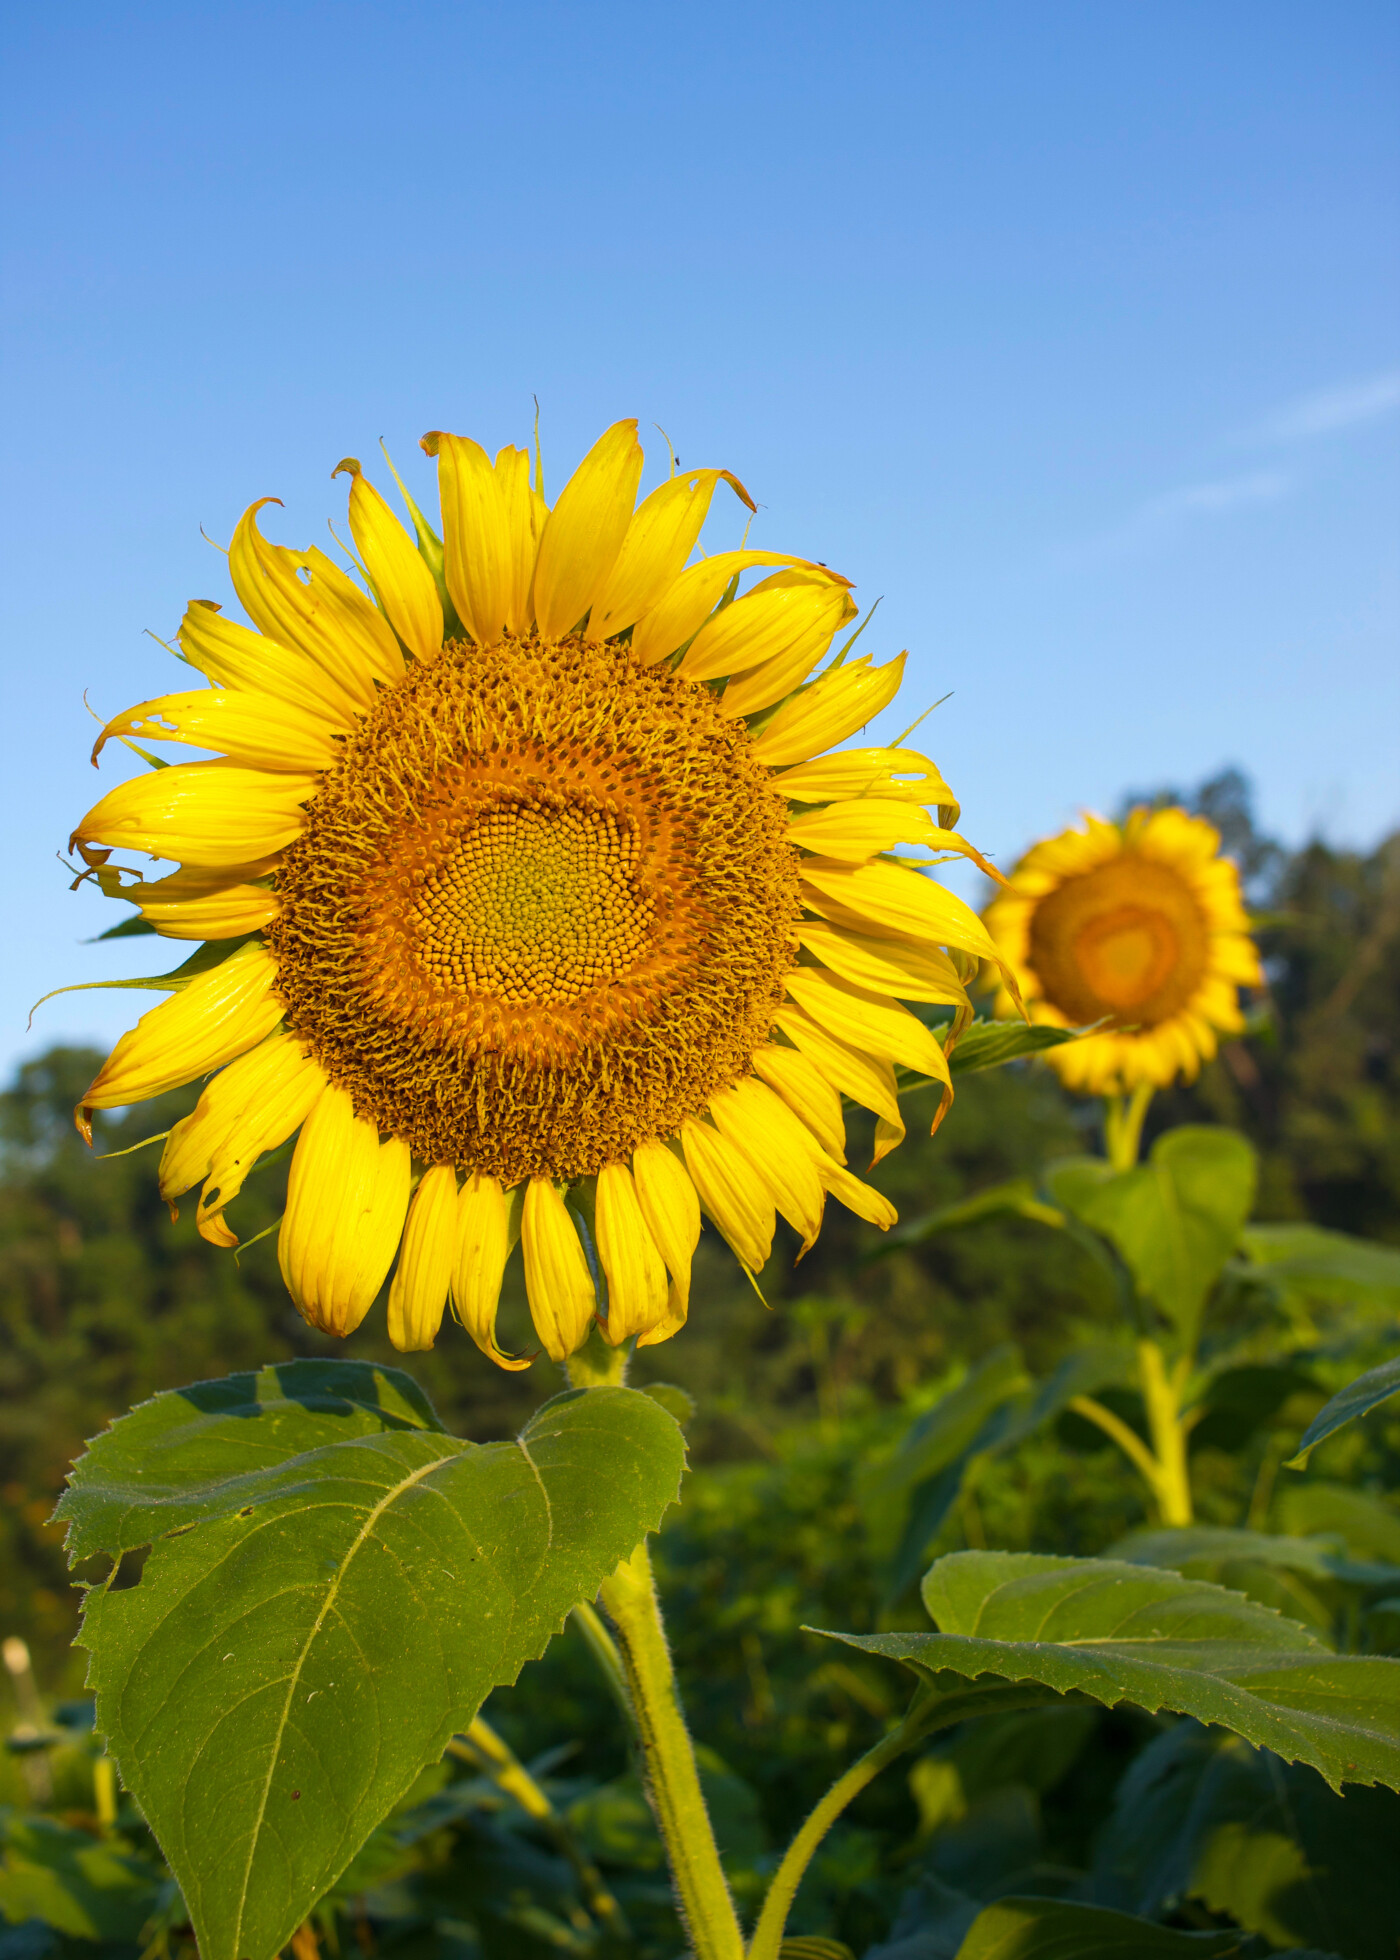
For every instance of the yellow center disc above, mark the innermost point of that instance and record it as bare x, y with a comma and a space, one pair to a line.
542, 908
1127, 941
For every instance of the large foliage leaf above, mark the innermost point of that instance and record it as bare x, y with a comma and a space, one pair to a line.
996, 1407
334, 1585
1056, 1929
1023, 1627
1367, 1392
1326, 1265
64, 1877
1201, 1815
1175, 1220
1367, 1525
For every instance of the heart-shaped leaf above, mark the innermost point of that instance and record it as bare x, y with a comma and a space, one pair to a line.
334, 1585
1015, 1623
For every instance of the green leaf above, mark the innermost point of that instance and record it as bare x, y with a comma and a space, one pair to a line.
334, 1585
73, 1883
1025, 1627
1016, 1198
987, 1044
1367, 1392
1328, 1265
1199, 1550
1053, 1929
946, 1429
1175, 1220
1367, 1525
1200, 1815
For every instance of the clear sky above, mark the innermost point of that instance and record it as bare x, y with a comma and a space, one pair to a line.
1070, 328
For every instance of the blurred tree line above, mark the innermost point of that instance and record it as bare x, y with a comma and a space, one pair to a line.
106, 1299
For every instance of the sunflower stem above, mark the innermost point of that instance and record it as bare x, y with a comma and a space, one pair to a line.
1122, 1126
1161, 1393
649, 1683
673, 1777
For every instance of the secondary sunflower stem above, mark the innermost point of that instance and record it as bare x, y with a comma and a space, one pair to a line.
767, 1940
673, 1777
1122, 1127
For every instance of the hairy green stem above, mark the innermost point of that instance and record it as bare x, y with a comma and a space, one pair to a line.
767, 1940
673, 1777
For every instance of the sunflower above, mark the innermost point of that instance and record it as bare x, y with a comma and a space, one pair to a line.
531, 900
1140, 925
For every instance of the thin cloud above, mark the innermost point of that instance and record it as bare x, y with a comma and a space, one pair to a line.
1169, 513
1327, 409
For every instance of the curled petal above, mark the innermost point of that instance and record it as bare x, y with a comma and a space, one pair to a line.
214, 1017
833, 707
724, 1180
679, 615
867, 1020
235, 656
807, 1093
865, 1078
636, 1273
781, 1150
201, 813
255, 730
583, 535
346, 1198
671, 1209
302, 600
402, 582
660, 537
426, 1262
488, 1224
902, 773
557, 1280
479, 561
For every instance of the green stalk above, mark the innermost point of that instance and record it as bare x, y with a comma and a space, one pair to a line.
1122, 1125
1161, 1392
924, 1713
673, 1777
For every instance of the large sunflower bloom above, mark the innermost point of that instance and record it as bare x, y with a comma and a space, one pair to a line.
1140, 925
532, 901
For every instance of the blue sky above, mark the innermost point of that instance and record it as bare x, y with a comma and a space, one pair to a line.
1070, 329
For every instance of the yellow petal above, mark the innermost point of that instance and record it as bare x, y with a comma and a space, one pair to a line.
402, 583
677, 1307
782, 1151
724, 1180
765, 685
807, 1094
255, 730
863, 1019
525, 513
864, 826
235, 656
557, 1279
250, 1106
484, 1244
887, 966
479, 561
670, 1208
302, 600
427, 1260
862, 1199
660, 537
636, 1273
767, 624
214, 1016
833, 707
865, 1078
226, 913
583, 536
346, 1198
901, 773
678, 616
207, 813
902, 900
